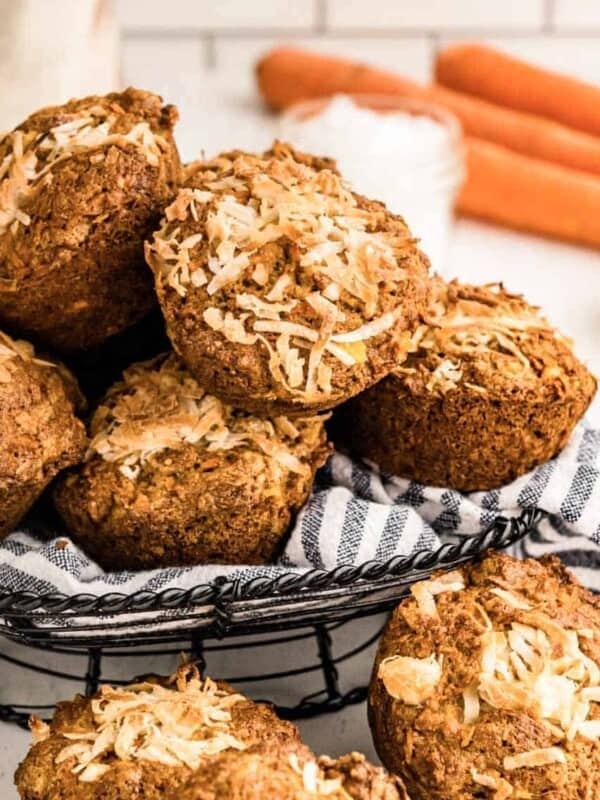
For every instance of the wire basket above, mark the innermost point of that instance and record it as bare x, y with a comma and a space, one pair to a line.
285, 610
317, 677
232, 607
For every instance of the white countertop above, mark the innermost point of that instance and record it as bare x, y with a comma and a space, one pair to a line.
563, 279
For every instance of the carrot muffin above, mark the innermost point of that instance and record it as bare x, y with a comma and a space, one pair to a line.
81, 186
290, 772
283, 290
490, 391
487, 684
39, 432
143, 740
173, 476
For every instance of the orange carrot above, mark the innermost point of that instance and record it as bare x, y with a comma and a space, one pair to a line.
287, 75
530, 195
489, 74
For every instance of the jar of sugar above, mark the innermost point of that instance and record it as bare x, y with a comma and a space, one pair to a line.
404, 152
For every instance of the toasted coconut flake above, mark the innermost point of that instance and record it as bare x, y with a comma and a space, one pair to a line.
160, 406
535, 758
502, 788
249, 202
424, 592
586, 633
263, 309
277, 293
13, 350
471, 704
260, 274
539, 668
177, 725
411, 680
467, 321
39, 729
447, 375
512, 599
314, 781
231, 327
367, 331
33, 154
589, 729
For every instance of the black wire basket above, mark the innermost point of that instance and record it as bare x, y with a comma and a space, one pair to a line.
289, 608
232, 607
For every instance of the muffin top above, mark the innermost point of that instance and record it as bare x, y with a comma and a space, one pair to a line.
159, 409
290, 772
143, 737
492, 342
487, 682
133, 119
178, 724
40, 432
276, 253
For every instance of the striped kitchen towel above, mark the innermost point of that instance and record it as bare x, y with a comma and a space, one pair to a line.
356, 514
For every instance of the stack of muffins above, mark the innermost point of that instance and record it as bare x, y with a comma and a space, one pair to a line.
285, 295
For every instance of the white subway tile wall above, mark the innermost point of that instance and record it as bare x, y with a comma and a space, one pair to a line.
203, 15
178, 46
577, 14
432, 15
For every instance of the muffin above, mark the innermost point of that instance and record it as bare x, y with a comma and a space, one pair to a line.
487, 684
173, 476
283, 290
81, 186
289, 772
39, 432
489, 392
143, 740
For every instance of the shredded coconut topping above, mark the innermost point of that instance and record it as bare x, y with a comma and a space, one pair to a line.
411, 680
467, 321
471, 704
30, 155
314, 781
535, 758
175, 726
39, 729
424, 592
16, 349
501, 787
512, 599
160, 406
246, 202
537, 666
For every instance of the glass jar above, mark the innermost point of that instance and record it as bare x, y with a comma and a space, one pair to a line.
404, 152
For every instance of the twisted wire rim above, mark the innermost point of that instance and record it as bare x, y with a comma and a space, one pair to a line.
500, 534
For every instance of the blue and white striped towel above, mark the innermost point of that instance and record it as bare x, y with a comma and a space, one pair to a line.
355, 514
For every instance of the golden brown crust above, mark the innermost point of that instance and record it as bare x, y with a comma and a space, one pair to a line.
282, 290
39, 432
42, 777
442, 754
289, 772
175, 477
491, 392
75, 207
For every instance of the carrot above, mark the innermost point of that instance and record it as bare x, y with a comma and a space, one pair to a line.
499, 78
286, 75
530, 195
